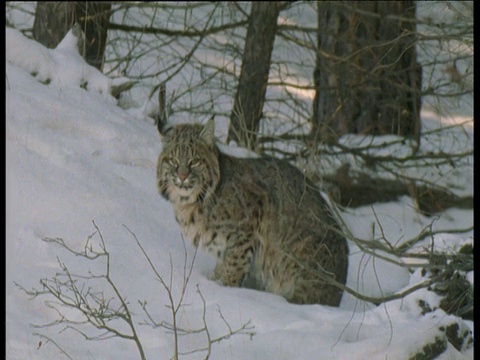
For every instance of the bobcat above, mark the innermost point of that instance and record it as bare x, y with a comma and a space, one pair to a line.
268, 227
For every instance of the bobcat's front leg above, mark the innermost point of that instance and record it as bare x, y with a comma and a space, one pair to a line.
237, 258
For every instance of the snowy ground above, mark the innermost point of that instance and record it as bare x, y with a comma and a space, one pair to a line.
74, 157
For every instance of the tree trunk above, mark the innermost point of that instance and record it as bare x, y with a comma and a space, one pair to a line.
367, 78
252, 86
54, 19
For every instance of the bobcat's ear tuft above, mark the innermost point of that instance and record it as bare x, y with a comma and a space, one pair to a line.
161, 116
208, 132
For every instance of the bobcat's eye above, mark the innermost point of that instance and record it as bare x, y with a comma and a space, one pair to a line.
193, 162
172, 161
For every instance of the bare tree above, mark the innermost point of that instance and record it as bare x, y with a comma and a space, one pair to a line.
366, 76
99, 311
103, 310
252, 85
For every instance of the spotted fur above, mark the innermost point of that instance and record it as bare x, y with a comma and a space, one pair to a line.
263, 221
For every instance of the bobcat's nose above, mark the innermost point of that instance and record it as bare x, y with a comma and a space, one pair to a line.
182, 173
182, 176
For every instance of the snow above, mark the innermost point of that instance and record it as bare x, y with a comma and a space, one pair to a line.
75, 160
62, 66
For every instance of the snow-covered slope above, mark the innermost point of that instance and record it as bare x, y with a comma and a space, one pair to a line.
76, 161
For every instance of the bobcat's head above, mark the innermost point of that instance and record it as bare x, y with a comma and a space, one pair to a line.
188, 169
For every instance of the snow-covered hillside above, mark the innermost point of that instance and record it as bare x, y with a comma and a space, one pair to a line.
77, 162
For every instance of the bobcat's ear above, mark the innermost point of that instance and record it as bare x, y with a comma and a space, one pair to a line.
162, 128
208, 132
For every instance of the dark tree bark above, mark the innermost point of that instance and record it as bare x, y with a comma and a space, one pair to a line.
367, 78
54, 19
252, 86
